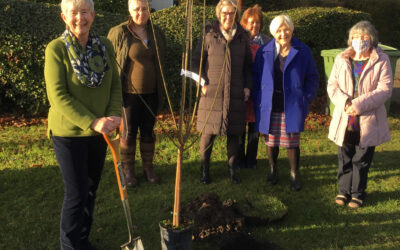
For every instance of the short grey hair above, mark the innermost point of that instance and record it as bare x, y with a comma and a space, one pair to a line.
64, 4
223, 3
364, 27
130, 2
278, 21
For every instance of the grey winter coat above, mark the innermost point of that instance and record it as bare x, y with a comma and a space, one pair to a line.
228, 114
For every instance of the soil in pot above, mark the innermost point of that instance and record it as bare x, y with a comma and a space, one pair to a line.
176, 238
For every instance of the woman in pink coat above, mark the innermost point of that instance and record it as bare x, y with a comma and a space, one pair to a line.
360, 83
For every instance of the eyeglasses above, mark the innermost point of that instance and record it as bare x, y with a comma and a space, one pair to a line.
227, 13
144, 9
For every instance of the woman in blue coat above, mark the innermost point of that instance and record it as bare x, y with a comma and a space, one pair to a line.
285, 82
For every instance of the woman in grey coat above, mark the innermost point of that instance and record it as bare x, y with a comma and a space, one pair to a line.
226, 70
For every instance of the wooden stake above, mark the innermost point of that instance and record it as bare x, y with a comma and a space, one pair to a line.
175, 218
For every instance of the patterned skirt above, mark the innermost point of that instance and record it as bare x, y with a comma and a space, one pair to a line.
277, 136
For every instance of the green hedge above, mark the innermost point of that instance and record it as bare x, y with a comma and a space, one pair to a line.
171, 21
385, 14
26, 28
110, 6
386, 17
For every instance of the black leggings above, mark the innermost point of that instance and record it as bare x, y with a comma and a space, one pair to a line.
137, 116
207, 143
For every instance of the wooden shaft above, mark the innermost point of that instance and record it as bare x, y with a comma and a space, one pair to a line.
175, 218
114, 146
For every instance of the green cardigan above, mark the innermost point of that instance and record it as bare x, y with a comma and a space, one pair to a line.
73, 107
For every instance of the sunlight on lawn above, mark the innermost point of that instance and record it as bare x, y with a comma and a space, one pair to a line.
30, 182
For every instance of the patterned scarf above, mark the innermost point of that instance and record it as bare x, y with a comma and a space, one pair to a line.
257, 40
89, 65
358, 68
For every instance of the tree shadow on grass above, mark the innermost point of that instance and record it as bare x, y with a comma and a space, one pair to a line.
314, 205
30, 208
344, 234
375, 198
32, 201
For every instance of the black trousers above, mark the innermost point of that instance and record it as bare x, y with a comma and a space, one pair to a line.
81, 161
207, 143
354, 164
248, 157
138, 117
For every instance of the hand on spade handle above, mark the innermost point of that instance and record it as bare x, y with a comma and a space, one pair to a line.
105, 125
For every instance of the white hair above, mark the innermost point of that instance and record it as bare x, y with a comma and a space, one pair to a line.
278, 21
77, 3
223, 3
130, 3
366, 28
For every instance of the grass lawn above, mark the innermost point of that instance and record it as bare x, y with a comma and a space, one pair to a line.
31, 192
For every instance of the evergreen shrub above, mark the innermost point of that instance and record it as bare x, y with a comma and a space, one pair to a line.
172, 22
385, 15
25, 30
111, 6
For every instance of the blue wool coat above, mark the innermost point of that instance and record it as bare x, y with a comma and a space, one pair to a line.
300, 85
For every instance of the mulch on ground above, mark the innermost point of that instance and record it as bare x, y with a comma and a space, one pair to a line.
8, 120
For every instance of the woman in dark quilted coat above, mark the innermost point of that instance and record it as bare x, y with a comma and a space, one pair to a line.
226, 69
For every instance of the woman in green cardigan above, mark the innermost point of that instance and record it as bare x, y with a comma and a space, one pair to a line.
84, 91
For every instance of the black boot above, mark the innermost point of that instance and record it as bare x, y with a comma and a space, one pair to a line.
241, 156
273, 153
273, 175
294, 157
295, 180
205, 173
234, 178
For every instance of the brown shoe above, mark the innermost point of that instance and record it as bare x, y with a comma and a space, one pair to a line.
128, 162
147, 152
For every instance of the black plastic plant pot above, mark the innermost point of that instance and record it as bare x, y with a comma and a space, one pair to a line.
176, 239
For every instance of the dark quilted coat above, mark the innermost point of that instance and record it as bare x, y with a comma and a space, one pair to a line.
228, 114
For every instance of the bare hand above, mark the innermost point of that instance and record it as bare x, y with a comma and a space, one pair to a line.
351, 111
204, 89
105, 125
246, 94
116, 120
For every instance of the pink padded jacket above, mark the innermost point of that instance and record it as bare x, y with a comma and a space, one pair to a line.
375, 87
